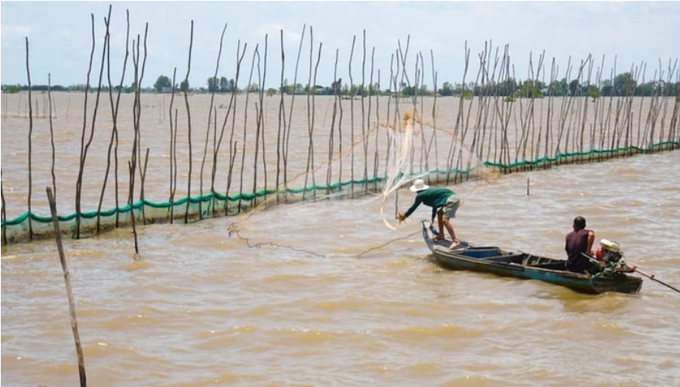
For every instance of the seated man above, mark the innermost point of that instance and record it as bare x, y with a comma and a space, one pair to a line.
614, 267
579, 242
610, 257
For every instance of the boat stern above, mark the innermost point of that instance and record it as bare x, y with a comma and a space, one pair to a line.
427, 234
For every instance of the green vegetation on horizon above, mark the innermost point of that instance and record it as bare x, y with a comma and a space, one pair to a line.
622, 85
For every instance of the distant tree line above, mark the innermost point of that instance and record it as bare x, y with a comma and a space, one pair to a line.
44, 88
622, 85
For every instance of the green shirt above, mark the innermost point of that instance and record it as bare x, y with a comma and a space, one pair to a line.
610, 267
433, 197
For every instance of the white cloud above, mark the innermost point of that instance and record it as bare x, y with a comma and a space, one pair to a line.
291, 38
633, 31
13, 37
20, 31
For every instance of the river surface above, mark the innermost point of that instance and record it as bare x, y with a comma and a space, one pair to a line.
325, 294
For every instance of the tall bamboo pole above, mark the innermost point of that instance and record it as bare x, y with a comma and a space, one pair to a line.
142, 178
188, 109
113, 142
363, 110
245, 131
207, 133
173, 149
30, 145
462, 127
258, 125
133, 221
433, 136
475, 150
233, 145
290, 112
331, 136
418, 109
85, 145
3, 213
54, 177
351, 117
213, 196
281, 128
338, 101
310, 112
584, 117
132, 164
260, 135
371, 96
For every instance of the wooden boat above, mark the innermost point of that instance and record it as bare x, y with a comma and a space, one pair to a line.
517, 264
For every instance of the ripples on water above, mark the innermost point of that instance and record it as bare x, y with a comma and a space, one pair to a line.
324, 294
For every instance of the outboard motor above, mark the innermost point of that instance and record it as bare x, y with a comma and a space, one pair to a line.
610, 251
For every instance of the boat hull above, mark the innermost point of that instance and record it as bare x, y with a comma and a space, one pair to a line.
516, 264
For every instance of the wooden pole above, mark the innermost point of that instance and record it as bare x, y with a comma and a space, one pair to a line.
653, 278
260, 135
131, 168
137, 109
69, 291
142, 169
245, 130
115, 150
371, 90
49, 94
351, 118
528, 185
280, 134
233, 145
3, 213
433, 138
173, 176
30, 145
363, 111
336, 100
113, 142
141, 182
173, 148
83, 146
186, 102
310, 112
211, 122
290, 112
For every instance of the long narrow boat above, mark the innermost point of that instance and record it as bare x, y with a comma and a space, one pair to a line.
517, 264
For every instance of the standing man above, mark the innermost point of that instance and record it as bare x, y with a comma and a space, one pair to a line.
444, 203
579, 242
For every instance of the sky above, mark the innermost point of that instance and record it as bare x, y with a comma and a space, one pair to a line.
620, 37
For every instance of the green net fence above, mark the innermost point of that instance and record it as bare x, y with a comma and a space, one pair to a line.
30, 225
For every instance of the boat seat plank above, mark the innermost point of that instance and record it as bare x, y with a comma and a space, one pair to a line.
516, 258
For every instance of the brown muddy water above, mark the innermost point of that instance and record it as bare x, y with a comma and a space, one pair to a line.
324, 294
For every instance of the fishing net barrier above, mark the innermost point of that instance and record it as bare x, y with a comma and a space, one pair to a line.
212, 205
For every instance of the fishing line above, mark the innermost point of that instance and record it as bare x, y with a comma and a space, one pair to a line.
387, 243
259, 245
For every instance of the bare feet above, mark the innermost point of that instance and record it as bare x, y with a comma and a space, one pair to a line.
439, 237
454, 244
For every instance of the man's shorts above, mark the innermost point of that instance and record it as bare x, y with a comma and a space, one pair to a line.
451, 206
